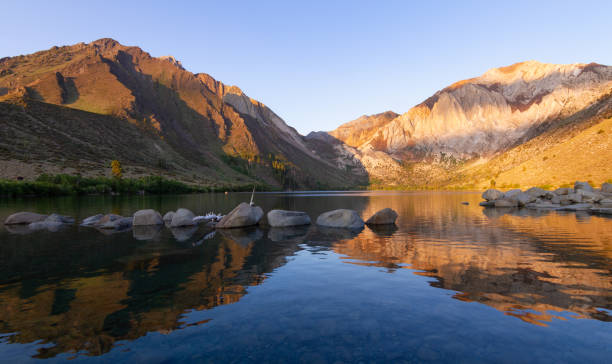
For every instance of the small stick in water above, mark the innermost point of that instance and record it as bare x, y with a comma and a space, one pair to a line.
252, 195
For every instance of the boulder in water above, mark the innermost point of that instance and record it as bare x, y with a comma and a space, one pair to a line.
182, 217
342, 218
147, 217
383, 217
24, 218
283, 218
241, 216
492, 194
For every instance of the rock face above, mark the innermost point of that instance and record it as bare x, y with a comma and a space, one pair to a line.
241, 216
342, 218
24, 218
182, 217
147, 217
282, 218
606, 187
383, 217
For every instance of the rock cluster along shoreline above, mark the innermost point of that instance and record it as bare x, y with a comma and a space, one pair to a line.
244, 215
583, 197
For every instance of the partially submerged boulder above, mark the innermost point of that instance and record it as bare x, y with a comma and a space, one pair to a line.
536, 192
92, 220
583, 186
492, 194
241, 216
24, 218
182, 217
112, 221
283, 218
168, 216
342, 218
383, 217
60, 219
147, 217
563, 191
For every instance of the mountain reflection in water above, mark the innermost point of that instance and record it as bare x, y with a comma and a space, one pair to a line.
79, 291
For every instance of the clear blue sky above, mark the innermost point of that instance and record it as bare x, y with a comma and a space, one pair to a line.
319, 64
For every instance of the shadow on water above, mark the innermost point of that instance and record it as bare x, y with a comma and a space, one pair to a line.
81, 291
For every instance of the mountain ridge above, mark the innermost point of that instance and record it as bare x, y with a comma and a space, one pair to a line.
211, 124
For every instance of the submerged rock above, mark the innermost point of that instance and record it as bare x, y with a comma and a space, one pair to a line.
92, 220
182, 217
383, 217
342, 218
60, 218
241, 216
147, 217
487, 203
24, 218
283, 218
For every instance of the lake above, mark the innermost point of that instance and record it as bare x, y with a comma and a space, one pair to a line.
449, 283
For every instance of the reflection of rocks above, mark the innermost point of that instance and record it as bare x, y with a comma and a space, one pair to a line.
19, 229
383, 230
242, 236
331, 234
291, 233
146, 232
183, 233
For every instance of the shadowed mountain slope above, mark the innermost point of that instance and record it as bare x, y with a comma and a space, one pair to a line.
163, 119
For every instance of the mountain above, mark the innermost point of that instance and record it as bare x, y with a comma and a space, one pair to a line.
76, 108
461, 134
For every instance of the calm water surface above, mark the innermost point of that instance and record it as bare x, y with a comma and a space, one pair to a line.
449, 283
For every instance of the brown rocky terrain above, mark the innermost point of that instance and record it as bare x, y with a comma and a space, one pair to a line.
78, 107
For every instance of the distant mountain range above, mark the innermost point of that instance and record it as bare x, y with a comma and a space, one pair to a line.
530, 123
75, 108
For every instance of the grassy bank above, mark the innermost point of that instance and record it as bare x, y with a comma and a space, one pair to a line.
63, 184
